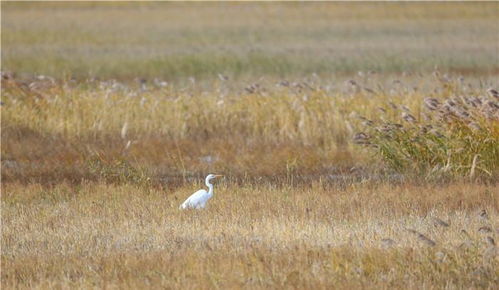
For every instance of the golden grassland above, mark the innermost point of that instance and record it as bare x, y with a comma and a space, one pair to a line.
93, 174
351, 161
59, 130
319, 236
247, 40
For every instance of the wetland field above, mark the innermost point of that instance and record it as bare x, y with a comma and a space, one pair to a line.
359, 144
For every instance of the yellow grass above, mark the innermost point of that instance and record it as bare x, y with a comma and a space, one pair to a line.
97, 235
266, 130
113, 112
247, 40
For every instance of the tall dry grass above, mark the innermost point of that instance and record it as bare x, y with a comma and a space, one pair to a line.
60, 130
456, 135
360, 236
113, 112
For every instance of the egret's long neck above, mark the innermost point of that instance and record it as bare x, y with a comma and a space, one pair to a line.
210, 187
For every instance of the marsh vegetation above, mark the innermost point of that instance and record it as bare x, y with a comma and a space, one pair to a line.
360, 145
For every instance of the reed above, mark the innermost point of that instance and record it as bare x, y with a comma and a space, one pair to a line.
60, 130
454, 135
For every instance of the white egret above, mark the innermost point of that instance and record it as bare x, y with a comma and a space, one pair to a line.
199, 198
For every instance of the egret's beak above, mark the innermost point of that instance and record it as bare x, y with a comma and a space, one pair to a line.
218, 175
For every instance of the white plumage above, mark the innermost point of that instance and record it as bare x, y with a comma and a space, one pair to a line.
199, 198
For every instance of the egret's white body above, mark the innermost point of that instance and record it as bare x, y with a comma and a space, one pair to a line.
199, 198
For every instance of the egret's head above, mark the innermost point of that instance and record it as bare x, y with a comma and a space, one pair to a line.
213, 176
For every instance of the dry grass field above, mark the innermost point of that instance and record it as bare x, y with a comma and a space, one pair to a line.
359, 144
122, 236
247, 40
